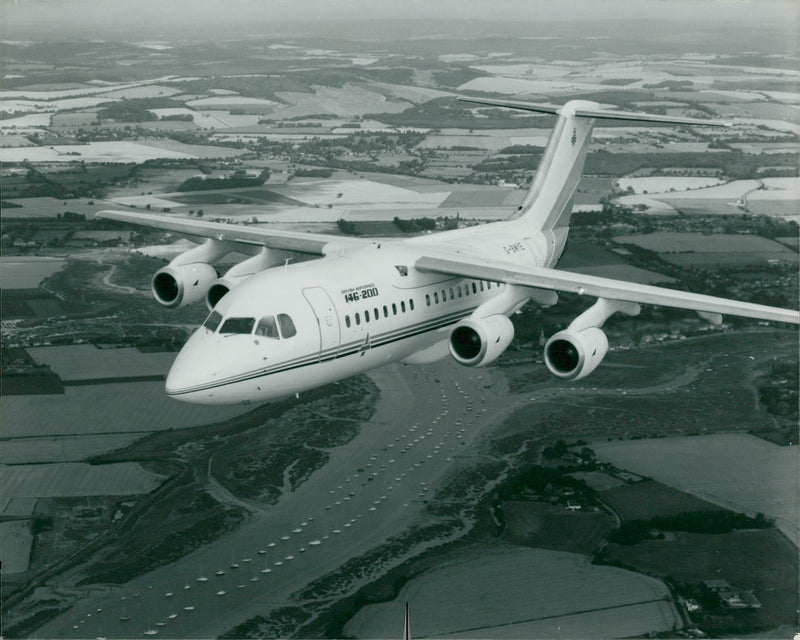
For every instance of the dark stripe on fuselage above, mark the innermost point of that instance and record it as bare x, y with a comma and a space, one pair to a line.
340, 351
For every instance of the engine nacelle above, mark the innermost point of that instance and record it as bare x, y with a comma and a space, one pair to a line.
220, 288
264, 259
572, 355
178, 285
478, 342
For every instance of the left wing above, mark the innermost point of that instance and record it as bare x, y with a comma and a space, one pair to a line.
314, 243
557, 280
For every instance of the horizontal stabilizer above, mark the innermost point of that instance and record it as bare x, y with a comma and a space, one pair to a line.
514, 104
601, 114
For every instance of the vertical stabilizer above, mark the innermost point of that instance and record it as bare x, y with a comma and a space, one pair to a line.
548, 205
406, 627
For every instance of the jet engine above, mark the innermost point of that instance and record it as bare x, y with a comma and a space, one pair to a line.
572, 355
177, 285
187, 278
478, 342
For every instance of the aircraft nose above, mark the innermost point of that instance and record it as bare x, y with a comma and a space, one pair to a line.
194, 368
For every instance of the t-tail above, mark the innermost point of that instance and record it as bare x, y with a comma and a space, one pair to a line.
548, 204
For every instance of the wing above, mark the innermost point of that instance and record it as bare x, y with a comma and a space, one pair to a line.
314, 243
557, 280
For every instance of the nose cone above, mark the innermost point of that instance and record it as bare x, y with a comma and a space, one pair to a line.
194, 370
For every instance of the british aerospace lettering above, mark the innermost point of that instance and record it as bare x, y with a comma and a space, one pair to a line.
354, 294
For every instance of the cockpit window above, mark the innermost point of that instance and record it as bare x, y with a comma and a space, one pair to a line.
213, 320
238, 325
287, 326
267, 327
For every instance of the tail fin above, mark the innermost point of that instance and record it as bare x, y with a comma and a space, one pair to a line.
548, 204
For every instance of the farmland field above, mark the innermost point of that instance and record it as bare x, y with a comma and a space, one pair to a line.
514, 592
62, 448
676, 242
27, 272
108, 408
350, 100
117, 151
62, 480
648, 499
734, 470
761, 560
87, 362
16, 547
727, 258
662, 184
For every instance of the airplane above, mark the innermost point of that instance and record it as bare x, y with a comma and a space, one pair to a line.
277, 327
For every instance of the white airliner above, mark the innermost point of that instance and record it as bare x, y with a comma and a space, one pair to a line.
277, 328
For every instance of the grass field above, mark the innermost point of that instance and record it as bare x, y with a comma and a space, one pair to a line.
513, 592
734, 470
648, 499
544, 526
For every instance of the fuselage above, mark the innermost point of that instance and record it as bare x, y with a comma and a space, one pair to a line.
292, 328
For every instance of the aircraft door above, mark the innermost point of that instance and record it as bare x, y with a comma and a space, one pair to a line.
327, 320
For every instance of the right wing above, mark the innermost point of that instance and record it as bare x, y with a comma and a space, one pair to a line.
313, 243
567, 281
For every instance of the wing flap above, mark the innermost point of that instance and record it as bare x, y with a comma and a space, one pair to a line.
557, 280
312, 243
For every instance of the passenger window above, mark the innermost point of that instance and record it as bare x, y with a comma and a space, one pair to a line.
358, 318
428, 299
347, 321
474, 288
452, 294
403, 306
394, 309
287, 326
411, 304
459, 291
238, 325
213, 320
488, 285
366, 316
266, 327
436, 297
444, 295
385, 311
481, 285
377, 315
